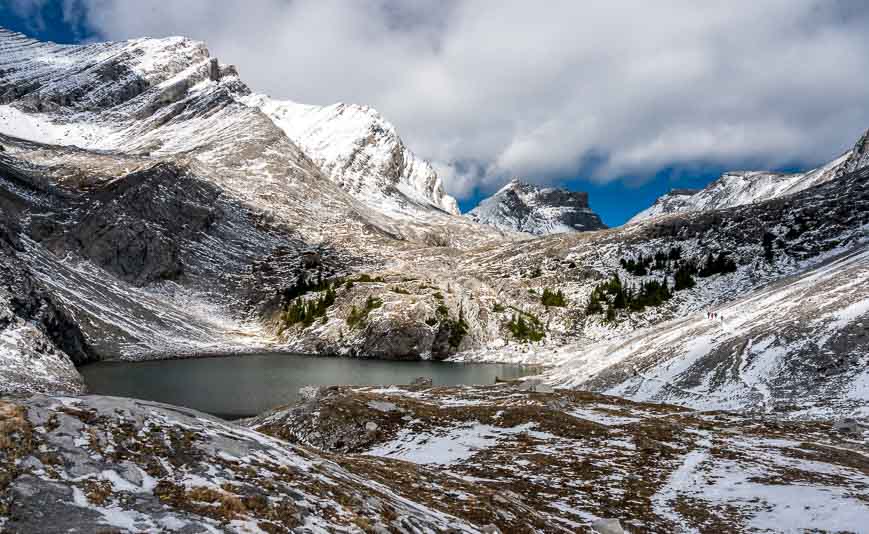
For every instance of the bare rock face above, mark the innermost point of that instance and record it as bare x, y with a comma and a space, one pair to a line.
858, 157
523, 207
39, 340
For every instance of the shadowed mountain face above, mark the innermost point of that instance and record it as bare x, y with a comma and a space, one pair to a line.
523, 207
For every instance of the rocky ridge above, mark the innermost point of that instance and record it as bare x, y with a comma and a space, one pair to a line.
361, 152
523, 207
738, 188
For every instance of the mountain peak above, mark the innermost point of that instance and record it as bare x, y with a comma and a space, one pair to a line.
361, 152
524, 207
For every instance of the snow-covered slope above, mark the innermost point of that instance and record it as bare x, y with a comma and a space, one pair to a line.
559, 460
361, 152
801, 235
523, 207
800, 345
744, 187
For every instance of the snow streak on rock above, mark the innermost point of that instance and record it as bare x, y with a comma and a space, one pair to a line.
523, 207
362, 153
744, 187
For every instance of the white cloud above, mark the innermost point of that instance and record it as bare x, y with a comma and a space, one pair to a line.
491, 89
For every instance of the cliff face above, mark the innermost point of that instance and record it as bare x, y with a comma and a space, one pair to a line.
523, 207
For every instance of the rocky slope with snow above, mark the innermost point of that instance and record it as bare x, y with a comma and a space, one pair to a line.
361, 152
105, 464
168, 215
524, 207
526, 458
744, 187
795, 308
151, 206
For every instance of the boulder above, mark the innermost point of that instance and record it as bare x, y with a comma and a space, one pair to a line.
848, 426
607, 526
424, 381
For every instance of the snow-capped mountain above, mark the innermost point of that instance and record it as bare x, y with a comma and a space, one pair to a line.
356, 147
167, 97
744, 187
524, 207
161, 209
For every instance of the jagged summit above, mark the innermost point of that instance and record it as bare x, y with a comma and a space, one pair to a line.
361, 152
737, 188
523, 207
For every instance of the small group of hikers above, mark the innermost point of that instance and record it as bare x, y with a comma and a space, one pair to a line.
714, 315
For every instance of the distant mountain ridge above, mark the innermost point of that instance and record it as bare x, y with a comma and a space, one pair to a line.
523, 207
737, 188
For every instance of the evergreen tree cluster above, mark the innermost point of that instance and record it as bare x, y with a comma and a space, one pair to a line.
303, 286
307, 311
720, 264
553, 298
666, 261
458, 329
612, 295
684, 276
357, 317
526, 327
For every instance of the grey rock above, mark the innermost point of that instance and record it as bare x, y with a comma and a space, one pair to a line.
425, 381
382, 406
607, 526
848, 426
524, 207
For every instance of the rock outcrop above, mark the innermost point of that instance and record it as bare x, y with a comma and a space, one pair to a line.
523, 207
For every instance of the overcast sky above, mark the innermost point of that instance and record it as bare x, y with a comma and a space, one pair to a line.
552, 91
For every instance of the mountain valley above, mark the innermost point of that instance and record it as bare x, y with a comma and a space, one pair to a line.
704, 367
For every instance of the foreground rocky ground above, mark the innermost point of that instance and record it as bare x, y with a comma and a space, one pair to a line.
413, 459
102, 464
557, 461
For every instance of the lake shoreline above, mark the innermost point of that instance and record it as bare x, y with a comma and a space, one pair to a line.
241, 385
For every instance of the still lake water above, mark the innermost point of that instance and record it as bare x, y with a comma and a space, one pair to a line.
245, 385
